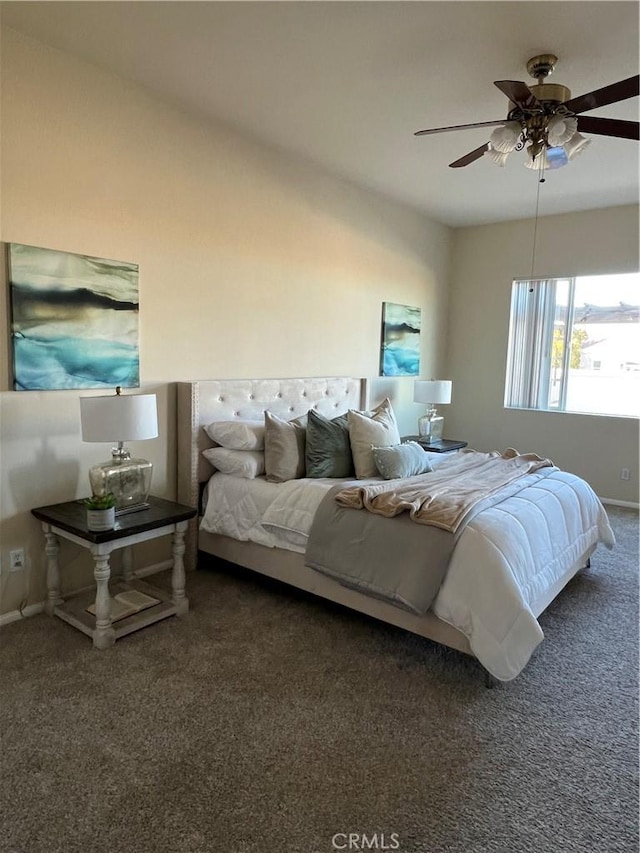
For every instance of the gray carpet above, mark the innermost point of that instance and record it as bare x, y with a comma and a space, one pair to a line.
269, 721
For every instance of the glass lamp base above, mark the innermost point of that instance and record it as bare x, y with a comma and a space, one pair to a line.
430, 427
129, 480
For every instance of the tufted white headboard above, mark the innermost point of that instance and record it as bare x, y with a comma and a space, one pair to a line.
200, 403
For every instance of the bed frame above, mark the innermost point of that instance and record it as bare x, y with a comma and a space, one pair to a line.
201, 402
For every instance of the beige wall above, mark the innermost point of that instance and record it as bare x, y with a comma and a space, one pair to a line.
486, 260
251, 264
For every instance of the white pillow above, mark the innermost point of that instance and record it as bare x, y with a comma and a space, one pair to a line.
240, 463
238, 434
367, 430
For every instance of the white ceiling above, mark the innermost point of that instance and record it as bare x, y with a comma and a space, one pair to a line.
346, 84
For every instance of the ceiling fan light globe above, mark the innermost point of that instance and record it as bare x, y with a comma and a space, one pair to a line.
505, 138
576, 145
538, 162
556, 158
550, 158
560, 130
497, 157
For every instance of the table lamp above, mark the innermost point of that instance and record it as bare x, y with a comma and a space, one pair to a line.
431, 392
119, 418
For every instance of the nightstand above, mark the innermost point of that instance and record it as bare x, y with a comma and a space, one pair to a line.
135, 603
444, 445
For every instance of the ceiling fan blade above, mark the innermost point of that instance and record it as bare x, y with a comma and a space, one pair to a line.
471, 157
519, 94
460, 127
609, 127
628, 88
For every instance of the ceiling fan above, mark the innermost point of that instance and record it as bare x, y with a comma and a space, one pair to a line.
547, 120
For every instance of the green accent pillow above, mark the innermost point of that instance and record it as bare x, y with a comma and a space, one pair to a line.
403, 460
328, 451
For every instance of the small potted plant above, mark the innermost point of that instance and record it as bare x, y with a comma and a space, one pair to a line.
101, 512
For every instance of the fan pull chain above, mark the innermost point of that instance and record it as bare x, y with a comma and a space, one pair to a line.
535, 223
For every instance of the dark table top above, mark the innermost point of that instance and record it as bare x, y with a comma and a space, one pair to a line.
72, 517
444, 445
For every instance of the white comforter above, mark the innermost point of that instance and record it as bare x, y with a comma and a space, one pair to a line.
509, 561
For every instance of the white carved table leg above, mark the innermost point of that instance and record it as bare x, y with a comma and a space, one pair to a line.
178, 580
52, 549
103, 635
127, 564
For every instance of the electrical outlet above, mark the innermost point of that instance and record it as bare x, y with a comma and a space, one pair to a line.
16, 560
625, 474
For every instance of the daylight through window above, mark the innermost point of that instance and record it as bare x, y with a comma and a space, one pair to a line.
574, 345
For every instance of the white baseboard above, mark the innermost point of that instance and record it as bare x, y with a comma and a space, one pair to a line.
153, 569
33, 609
15, 615
614, 502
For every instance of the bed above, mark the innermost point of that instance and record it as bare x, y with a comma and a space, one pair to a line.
508, 563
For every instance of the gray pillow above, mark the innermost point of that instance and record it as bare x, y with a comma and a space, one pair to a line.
403, 460
284, 446
328, 452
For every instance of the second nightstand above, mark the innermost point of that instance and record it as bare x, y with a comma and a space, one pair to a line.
444, 445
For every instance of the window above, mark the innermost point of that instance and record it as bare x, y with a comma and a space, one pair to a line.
574, 345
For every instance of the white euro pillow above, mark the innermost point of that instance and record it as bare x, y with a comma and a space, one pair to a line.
239, 434
238, 463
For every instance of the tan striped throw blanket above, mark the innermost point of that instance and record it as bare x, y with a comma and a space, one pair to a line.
444, 497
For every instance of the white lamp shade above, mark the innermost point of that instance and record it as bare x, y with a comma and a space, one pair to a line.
560, 129
549, 158
119, 418
576, 145
538, 162
506, 137
498, 157
432, 391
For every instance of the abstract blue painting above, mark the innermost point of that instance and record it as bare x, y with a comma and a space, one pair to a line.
400, 349
74, 320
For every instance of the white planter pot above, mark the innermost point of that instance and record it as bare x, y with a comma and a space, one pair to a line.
101, 519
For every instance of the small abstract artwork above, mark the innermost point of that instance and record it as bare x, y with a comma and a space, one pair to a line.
400, 349
74, 320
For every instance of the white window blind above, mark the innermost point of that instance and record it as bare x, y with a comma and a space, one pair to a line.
532, 312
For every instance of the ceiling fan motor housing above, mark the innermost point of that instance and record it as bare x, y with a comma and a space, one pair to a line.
551, 92
541, 67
